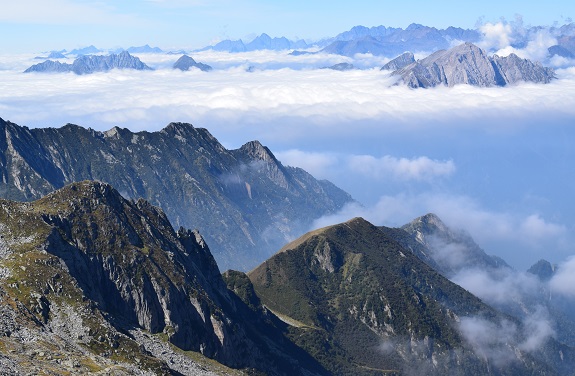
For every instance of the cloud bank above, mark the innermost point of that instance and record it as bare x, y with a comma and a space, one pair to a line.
491, 160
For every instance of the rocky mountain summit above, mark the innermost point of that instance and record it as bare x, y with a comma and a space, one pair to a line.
244, 202
93, 282
362, 303
87, 64
468, 64
185, 63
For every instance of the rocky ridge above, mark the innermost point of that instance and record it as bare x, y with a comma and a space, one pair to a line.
244, 202
109, 285
361, 303
87, 64
468, 64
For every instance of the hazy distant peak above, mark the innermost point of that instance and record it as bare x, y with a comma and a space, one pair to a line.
542, 269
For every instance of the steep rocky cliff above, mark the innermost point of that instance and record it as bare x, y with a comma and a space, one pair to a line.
245, 202
101, 274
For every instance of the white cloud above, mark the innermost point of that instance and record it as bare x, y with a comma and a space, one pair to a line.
493, 340
499, 288
563, 282
387, 167
516, 238
534, 227
316, 163
319, 96
496, 35
419, 168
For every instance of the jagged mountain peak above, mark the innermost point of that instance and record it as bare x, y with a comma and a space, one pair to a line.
178, 127
469, 64
243, 201
427, 226
399, 62
255, 150
430, 222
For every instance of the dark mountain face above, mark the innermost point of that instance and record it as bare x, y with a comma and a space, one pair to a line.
87, 269
542, 269
89, 64
361, 303
468, 64
245, 202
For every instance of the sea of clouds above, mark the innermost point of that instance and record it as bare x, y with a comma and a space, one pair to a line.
494, 161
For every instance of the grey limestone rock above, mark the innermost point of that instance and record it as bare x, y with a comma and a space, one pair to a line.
469, 64
399, 62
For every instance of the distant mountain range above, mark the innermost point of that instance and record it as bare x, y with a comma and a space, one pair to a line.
87, 64
245, 202
382, 41
467, 64
376, 40
262, 42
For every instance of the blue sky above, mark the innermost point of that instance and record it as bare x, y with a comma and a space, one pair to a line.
34, 25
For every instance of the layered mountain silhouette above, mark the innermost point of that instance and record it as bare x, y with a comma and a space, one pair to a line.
456, 255
244, 202
87, 64
468, 64
388, 41
261, 42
